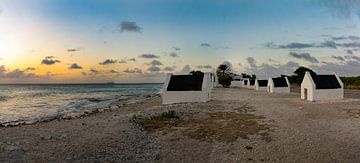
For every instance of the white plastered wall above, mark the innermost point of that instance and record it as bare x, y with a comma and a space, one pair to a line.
273, 89
171, 97
314, 94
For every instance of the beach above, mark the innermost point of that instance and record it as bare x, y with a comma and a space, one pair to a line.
237, 125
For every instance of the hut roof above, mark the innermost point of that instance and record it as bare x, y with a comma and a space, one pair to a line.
280, 82
185, 83
326, 81
263, 83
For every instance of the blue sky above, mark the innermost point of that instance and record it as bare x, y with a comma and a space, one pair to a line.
265, 37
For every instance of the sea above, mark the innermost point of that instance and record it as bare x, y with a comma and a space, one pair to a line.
37, 102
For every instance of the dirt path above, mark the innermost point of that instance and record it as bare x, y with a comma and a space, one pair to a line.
279, 127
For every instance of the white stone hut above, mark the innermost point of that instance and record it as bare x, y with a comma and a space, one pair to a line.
321, 87
278, 85
186, 88
245, 82
251, 84
261, 85
237, 81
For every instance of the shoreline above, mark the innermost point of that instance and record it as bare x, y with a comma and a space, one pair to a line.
83, 112
237, 125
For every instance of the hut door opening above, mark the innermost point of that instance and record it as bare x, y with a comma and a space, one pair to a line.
305, 94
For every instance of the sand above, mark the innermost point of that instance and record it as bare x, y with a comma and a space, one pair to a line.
298, 131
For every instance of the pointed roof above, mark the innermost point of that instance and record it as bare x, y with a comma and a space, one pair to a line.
280, 82
326, 81
185, 83
263, 83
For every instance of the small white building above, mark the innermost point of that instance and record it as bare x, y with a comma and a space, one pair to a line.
261, 85
321, 87
186, 88
278, 85
245, 82
251, 84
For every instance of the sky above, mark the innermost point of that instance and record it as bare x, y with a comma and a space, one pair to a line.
125, 41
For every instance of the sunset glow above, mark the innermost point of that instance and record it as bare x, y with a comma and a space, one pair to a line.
266, 38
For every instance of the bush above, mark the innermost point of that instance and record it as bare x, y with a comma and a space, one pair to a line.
225, 80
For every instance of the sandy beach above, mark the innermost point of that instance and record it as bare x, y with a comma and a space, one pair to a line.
237, 125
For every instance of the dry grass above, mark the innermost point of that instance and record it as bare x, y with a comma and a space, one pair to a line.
223, 127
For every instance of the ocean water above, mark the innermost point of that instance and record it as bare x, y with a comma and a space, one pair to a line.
31, 103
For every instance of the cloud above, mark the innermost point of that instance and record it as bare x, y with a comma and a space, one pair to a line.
341, 8
340, 58
176, 48
348, 68
185, 70
352, 57
94, 71
204, 67
265, 70
108, 62
342, 38
30, 69
350, 45
155, 63
304, 56
205, 45
127, 26
251, 61
74, 66
113, 72
123, 61
15, 74
133, 71
49, 61
154, 69
297, 45
349, 52
169, 68
173, 54
328, 44
73, 50
132, 59
147, 56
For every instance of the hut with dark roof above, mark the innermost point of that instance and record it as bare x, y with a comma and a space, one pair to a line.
321, 87
261, 85
278, 85
245, 82
237, 81
251, 84
186, 88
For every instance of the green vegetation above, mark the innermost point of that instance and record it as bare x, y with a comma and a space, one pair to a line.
251, 77
351, 82
224, 75
196, 73
299, 73
298, 76
153, 123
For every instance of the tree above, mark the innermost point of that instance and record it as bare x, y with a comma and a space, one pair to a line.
224, 75
251, 77
299, 75
196, 73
